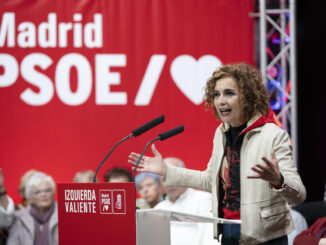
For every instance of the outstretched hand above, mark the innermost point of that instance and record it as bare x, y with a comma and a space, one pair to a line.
270, 172
153, 165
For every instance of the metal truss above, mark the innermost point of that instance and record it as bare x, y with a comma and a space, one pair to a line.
277, 55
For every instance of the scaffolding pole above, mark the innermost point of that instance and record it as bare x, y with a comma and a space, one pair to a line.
277, 47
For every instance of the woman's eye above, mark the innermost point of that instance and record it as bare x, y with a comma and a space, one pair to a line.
229, 93
216, 94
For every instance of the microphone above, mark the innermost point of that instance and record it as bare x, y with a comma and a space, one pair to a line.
148, 126
162, 136
138, 131
170, 133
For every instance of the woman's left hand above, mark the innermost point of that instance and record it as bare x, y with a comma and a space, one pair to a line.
270, 172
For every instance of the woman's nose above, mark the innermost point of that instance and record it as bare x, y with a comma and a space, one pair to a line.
221, 100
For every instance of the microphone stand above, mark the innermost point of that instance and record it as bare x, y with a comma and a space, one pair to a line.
98, 168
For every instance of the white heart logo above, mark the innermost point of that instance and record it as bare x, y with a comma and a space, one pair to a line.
191, 75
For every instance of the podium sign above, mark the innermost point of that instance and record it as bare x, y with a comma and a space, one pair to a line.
97, 213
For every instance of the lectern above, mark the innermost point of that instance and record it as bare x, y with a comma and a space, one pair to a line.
97, 213
105, 213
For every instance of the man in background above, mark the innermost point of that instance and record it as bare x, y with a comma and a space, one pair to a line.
118, 175
86, 176
190, 201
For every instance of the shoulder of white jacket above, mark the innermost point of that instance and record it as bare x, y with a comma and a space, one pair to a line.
268, 127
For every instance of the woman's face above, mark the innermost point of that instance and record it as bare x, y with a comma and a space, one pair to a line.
42, 196
228, 102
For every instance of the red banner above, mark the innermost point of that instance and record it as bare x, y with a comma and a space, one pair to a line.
76, 77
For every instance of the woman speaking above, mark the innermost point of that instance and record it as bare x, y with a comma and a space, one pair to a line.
251, 173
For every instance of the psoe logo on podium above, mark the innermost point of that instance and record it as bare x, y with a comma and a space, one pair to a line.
119, 201
105, 201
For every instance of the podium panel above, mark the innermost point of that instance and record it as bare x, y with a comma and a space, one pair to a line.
153, 225
97, 213
153, 228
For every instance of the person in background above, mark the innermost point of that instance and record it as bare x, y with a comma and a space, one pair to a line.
118, 175
86, 176
251, 173
315, 235
37, 224
23, 204
188, 200
300, 225
150, 189
314, 213
6, 210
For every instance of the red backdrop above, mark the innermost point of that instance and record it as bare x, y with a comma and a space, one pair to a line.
76, 77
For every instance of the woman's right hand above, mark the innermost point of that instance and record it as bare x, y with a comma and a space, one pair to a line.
153, 165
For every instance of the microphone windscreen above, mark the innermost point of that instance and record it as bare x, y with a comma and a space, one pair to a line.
148, 126
170, 133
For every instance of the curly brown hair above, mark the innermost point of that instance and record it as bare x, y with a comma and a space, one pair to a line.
250, 84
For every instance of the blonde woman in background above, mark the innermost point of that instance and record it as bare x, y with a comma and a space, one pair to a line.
37, 224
